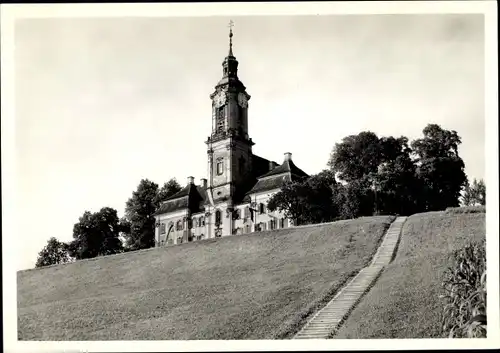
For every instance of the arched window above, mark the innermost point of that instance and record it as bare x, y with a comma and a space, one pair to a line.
179, 225
218, 217
202, 221
163, 228
220, 119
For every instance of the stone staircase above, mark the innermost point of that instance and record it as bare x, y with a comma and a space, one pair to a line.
326, 321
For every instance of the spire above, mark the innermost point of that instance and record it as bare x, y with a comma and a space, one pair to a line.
230, 64
231, 24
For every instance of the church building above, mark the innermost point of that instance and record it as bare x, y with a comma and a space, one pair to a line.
233, 199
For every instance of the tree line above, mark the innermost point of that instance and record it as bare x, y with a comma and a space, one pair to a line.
366, 175
104, 233
371, 175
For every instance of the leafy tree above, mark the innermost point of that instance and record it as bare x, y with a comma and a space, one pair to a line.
354, 199
356, 156
307, 201
96, 234
55, 252
139, 212
480, 191
168, 189
475, 194
380, 175
397, 188
439, 167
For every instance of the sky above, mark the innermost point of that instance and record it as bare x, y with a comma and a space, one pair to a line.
101, 103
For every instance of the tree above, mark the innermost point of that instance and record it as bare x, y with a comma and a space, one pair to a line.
475, 194
55, 252
439, 167
306, 201
96, 234
139, 211
354, 199
168, 189
356, 156
397, 188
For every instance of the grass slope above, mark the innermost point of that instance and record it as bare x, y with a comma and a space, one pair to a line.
404, 302
255, 286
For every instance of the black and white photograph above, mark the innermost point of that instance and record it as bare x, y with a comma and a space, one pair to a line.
219, 175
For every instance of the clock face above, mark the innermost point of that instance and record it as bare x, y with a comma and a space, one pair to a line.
220, 99
242, 100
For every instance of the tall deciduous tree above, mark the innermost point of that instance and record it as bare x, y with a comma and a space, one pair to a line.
439, 167
474, 194
396, 186
168, 189
55, 252
139, 211
356, 156
307, 201
96, 234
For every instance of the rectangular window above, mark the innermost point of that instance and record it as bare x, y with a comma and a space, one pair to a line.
220, 167
163, 228
282, 223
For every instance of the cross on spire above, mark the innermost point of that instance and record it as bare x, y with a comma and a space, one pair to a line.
231, 25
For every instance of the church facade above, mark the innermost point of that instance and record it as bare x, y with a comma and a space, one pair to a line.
232, 200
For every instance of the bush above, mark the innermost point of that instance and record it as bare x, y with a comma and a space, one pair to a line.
466, 209
464, 314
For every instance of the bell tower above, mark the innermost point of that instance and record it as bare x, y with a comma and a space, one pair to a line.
229, 146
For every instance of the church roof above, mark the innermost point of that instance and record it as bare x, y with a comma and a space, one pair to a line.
190, 197
271, 183
287, 167
277, 177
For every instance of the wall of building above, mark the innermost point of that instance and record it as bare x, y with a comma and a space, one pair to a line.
174, 235
229, 226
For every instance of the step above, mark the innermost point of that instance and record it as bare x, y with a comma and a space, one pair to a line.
328, 319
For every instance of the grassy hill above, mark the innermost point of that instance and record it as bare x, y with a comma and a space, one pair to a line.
256, 286
404, 302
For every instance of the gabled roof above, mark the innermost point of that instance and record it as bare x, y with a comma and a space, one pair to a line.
287, 167
276, 178
173, 205
274, 182
190, 197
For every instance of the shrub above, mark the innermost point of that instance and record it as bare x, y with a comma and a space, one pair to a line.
466, 209
464, 284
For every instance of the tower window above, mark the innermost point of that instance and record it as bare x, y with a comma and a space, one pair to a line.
220, 167
220, 119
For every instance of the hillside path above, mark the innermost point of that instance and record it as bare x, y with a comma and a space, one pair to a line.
327, 321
